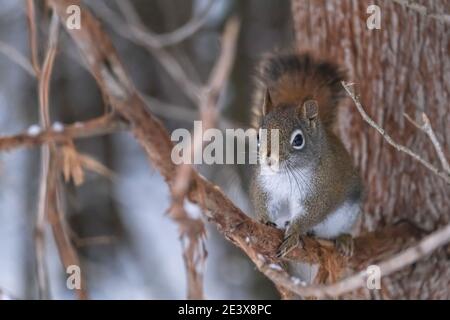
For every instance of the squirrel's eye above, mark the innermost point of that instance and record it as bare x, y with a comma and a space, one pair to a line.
297, 140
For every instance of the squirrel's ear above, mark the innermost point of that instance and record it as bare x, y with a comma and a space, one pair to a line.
267, 105
309, 111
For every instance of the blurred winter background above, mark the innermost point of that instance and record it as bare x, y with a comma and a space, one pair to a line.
129, 248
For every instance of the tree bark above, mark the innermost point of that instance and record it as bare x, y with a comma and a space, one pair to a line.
401, 68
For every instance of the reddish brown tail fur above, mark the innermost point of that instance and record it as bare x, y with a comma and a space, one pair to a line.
293, 78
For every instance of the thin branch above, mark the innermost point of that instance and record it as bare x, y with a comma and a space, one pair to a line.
428, 129
42, 274
46, 153
389, 139
102, 125
159, 107
49, 194
33, 37
140, 35
170, 111
47, 68
430, 132
17, 57
56, 216
159, 41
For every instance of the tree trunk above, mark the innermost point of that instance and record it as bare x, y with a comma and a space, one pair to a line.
404, 67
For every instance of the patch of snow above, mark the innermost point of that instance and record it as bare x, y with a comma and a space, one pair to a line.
34, 130
58, 127
192, 209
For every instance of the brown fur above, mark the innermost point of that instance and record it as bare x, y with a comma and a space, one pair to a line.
294, 78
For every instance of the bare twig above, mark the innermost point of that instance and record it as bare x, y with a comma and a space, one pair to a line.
68, 254
49, 195
388, 138
92, 241
33, 37
140, 35
423, 10
167, 110
430, 132
47, 68
428, 129
41, 266
105, 124
46, 152
159, 41
16, 56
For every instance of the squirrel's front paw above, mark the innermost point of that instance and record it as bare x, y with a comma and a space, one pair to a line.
345, 245
289, 243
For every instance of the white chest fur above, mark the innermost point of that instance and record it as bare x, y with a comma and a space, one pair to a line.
338, 222
286, 193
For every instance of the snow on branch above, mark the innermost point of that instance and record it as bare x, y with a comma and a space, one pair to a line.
58, 132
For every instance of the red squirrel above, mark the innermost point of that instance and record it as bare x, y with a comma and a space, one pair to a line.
316, 190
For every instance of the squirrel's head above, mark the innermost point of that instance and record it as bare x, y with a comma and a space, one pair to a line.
300, 136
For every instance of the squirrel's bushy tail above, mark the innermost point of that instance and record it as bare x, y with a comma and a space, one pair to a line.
293, 78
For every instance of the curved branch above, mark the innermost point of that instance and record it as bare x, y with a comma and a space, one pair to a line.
162, 40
